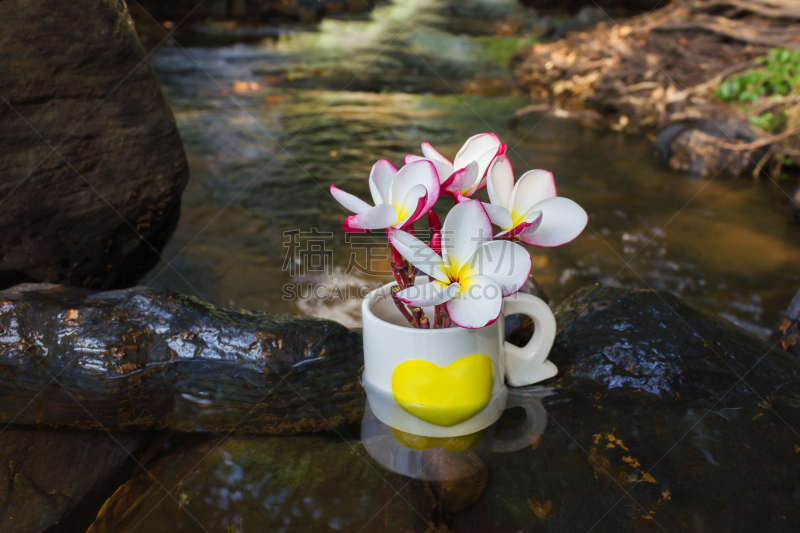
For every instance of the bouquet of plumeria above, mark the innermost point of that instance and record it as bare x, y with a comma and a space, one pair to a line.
468, 270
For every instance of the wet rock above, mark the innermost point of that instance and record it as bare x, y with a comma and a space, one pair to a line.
787, 331
654, 342
698, 148
247, 11
584, 19
307, 10
46, 474
333, 6
308, 483
649, 400
93, 166
150, 359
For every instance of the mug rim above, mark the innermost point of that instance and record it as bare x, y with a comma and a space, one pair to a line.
366, 310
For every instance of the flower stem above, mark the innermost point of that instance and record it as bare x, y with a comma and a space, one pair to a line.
411, 272
446, 322
398, 268
437, 317
425, 323
416, 312
401, 307
397, 278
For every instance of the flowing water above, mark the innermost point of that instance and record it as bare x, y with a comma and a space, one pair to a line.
269, 125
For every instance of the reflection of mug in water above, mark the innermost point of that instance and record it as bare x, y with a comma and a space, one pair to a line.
413, 455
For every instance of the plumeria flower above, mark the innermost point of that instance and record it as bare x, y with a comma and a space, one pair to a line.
530, 211
472, 275
467, 173
401, 197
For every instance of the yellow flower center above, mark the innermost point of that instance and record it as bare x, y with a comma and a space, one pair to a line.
517, 218
403, 212
458, 272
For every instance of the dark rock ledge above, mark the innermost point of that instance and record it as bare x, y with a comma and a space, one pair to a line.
649, 399
149, 359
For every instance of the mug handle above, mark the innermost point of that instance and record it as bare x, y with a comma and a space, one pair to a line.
529, 364
535, 419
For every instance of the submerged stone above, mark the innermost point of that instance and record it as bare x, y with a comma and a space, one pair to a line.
142, 358
663, 417
259, 483
460, 478
46, 474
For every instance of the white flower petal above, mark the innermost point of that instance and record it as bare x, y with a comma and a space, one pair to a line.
431, 153
443, 170
562, 221
378, 217
475, 147
505, 262
478, 303
500, 216
466, 227
533, 214
533, 187
380, 181
484, 161
418, 254
461, 179
428, 294
500, 181
350, 202
417, 173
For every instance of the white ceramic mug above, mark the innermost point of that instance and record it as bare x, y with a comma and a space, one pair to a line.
394, 350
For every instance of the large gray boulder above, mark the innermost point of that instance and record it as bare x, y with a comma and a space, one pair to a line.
91, 163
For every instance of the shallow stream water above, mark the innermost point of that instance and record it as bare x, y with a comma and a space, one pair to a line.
260, 230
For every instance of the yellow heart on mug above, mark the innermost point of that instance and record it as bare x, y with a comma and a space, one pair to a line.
444, 396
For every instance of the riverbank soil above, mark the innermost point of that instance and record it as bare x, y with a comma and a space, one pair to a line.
657, 72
